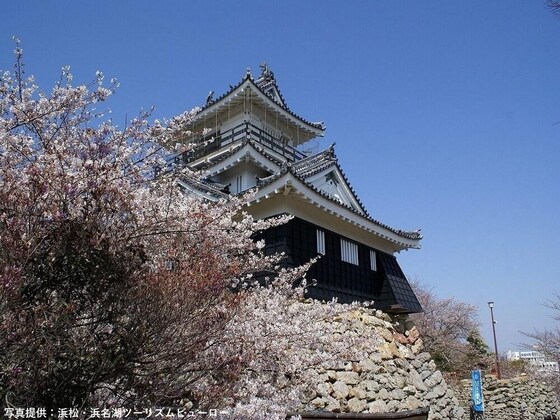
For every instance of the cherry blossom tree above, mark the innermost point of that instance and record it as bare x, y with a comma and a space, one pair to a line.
547, 342
117, 289
450, 331
113, 284
554, 5
285, 341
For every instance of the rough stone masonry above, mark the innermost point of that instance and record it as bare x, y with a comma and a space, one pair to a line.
518, 398
398, 375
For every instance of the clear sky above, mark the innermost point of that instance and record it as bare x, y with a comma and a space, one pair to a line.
443, 112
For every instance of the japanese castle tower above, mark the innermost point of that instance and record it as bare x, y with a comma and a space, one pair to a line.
254, 142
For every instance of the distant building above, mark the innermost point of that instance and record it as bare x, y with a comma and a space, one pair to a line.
534, 358
256, 142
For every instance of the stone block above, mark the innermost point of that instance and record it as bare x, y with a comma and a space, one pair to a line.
424, 357
340, 390
324, 389
398, 394
319, 402
333, 405
414, 379
378, 406
349, 378
356, 405
358, 392
367, 365
412, 403
383, 394
371, 385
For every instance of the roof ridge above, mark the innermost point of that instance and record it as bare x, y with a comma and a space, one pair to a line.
200, 184
261, 182
249, 77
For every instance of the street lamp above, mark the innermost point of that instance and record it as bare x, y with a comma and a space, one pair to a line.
491, 306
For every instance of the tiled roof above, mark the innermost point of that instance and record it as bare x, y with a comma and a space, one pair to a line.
396, 291
307, 167
303, 170
212, 189
266, 81
222, 157
321, 161
211, 162
259, 84
315, 163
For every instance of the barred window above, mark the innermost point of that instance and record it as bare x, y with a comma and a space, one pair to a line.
373, 260
349, 252
239, 184
320, 242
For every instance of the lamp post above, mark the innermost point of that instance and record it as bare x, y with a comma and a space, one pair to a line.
491, 306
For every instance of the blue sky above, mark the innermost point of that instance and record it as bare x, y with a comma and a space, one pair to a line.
443, 113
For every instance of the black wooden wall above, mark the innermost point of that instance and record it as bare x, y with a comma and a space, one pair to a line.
387, 286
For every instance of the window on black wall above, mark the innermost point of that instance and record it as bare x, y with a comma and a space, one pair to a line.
373, 260
321, 242
349, 252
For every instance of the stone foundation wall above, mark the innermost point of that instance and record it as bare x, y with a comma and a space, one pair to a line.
519, 398
396, 376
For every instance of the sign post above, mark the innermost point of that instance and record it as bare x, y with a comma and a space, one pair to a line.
476, 394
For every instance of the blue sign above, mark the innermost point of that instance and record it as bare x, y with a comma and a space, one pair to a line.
476, 391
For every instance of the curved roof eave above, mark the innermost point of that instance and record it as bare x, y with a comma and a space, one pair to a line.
246, 149
319, 158
200, 188
404, 239
317, 128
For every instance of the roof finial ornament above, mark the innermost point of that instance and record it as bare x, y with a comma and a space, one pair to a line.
210, 97
248, 74
266, 73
